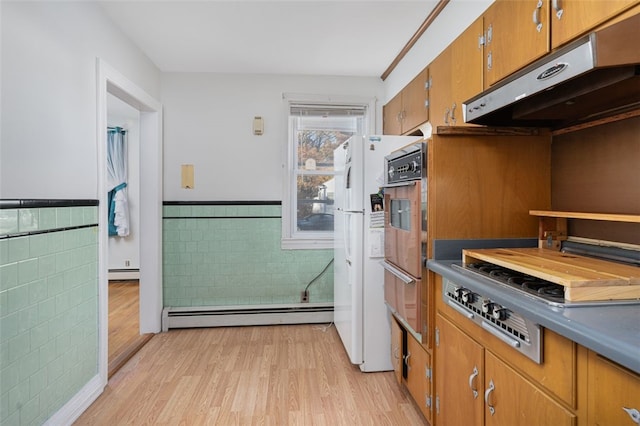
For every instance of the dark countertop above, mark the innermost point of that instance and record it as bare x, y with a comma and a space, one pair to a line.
612, 331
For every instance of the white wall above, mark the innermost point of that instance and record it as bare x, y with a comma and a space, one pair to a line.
122, 249
49, 50
452, 21
208, 123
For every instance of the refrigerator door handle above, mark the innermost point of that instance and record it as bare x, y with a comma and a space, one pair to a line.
397, 272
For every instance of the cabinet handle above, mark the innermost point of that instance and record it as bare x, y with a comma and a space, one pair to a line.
446, 116
634, 414
406, 360
558, 8
472, 378
453, 114
536, 16
487, 393
489, 61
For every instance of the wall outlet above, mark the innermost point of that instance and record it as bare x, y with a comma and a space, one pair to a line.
127, 263
304, 296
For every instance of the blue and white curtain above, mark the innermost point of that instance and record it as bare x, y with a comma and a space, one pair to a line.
117, 182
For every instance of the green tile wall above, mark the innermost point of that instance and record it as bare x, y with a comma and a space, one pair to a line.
48, 310
231, 255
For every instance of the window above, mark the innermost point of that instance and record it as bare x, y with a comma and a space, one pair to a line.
315, 130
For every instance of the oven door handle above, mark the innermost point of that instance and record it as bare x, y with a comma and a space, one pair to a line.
401, 184
397, 272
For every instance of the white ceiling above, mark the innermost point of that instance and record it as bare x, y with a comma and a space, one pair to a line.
304, 37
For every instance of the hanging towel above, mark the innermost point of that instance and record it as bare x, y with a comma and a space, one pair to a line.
118, 211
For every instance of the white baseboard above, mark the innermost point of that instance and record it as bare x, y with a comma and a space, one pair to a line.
77, 405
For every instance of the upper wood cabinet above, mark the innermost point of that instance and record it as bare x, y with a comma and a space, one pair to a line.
392, 116
516, 34
572, 18
455, 76
440, 96
409, 108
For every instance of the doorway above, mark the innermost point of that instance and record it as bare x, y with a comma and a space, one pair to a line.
113, 84
124, 337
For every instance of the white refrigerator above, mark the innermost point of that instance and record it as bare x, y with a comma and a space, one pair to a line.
360, 315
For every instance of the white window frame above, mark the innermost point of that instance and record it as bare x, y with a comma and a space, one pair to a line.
310, 240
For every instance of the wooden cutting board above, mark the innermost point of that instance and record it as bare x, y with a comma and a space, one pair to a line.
584, 278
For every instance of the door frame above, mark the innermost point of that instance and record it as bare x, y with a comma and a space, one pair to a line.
109, 80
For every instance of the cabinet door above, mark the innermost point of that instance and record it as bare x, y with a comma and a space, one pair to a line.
391, 116
414, 102
440, 90
459, 378
572, 18
418, 377
396, 349
510, 399
613, 393
466, 69
513, 39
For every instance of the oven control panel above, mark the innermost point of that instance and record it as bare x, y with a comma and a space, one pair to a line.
405, 168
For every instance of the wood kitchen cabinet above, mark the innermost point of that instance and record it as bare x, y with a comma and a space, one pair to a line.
418, 381
475, 387
572, 18
412, 366
440, 93
513, 38
614, 393
519, 32
455, 76
396, 349
409, 108
468, 361
459, 374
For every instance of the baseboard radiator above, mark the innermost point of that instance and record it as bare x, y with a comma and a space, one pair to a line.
124, 274
226, 316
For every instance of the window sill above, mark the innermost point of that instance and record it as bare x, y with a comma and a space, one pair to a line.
306, 244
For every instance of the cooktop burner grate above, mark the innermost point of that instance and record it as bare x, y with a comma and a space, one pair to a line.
534, 286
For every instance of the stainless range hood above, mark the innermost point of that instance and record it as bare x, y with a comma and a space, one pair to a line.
595, 77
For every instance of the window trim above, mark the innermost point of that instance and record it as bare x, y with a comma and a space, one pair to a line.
291, 240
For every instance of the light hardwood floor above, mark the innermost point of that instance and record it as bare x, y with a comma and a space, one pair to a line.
124, 323
267, 375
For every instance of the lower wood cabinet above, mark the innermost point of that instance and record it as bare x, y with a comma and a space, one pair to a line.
412, 366
475, 387
614, 393
397, 337
418, 379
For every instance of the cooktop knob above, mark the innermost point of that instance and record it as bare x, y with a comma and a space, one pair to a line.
499, 312
468, 296
458, 291
487, 306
